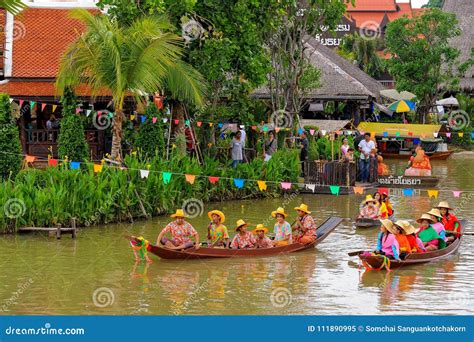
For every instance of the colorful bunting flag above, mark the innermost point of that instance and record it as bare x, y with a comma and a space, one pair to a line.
132, 117
416, 141
277, 129
11, 100
144, 173
154, 119
472, 135
166, 177
111, 115
311, 187
176, 121
213, 179
30, 159
448, 134
285, 185
52, 162
75, 165
32, 104
461, 134
372, 135
211, 124
383, 191
98, 168
433, 193
254, 128
334, 189
21, 103
385, 134
300, 130
99, 114
165, 120
457, 193
220, 125
410, 134
239, 183
143, 118
312, 131
397, 134
187, 122
78, 110
199, 123
88, 112
435, 134
323, 132
43, 105
265, 128
262, 185
54, 108
408, 192
358, 190
190, 178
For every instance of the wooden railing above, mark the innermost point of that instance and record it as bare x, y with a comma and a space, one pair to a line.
324, 172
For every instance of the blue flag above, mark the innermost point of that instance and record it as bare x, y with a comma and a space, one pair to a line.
75, 165
408, 192
239, 183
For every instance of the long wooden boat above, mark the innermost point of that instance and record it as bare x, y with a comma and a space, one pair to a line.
376, 261
408, 181
366, 223
205, 252
433, 156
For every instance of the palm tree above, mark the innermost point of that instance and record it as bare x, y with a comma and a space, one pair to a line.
12, 6
128, 61
363, 52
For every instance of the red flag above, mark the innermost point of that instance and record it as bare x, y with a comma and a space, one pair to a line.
212, 179
199, 123
52, 162
43, 105
176, 122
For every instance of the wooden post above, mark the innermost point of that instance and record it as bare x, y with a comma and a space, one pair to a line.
74, 231
58, 232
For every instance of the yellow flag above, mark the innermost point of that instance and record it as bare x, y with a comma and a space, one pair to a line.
358, 190
132, 117
98, 168
54, 108
262, 185
210, 124
461, 134
433, 193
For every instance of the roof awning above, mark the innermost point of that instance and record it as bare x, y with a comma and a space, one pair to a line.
327, 125
398, 129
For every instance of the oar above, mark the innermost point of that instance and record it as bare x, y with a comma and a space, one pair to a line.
355, 253
451, 231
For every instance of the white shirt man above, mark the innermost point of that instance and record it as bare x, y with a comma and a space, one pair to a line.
365, 147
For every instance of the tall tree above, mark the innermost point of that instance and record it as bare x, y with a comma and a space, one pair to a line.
423, 61
434, 4
295, 21
364, 52
128, 61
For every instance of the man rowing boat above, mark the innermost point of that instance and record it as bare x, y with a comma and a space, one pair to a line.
181, 231
306, 228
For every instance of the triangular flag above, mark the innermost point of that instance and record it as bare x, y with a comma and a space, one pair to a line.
143, 118
300, 130
144, 173
254, 128
239, 183
410, 134
199, 123
210, 124
132, 117
78, 110
457, 193
176, 121
448, 134
397, 134
461, 134
187, 122
52, 162
220, 125
88, 112
166, 177
32, 104
165, 120
277, 129
433, 193
11, 100
334, 189
358, 190
111, 115
472, 135
54, 108
285, 185
311, 187
408, 192
265, 128
416, 141
190, 178
311, 131
98, 168
212, 179
383, 191
323, 132
262, 185
21, 103
435, 134
154, 119
99, 113
385, 134
43, 105
75, 165
30, 159
423, 135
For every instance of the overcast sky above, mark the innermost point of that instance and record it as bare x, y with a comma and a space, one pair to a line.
415, 3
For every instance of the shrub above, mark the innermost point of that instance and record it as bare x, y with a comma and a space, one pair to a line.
150, 140
10, 146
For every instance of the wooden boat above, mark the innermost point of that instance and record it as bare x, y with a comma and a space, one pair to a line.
408, 181
376, 261
367, 223
204, 252
433, 155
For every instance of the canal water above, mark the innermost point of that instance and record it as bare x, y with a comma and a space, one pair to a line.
96, 274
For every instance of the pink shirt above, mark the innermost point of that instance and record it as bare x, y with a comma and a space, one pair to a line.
387, 244
439, 227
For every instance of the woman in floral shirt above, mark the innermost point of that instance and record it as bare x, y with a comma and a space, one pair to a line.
243, 239
305, 226
282, 229
181, 232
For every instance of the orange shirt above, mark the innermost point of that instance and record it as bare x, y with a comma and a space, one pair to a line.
405, 246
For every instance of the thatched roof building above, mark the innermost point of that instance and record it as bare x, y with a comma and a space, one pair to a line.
340, 79
464, 10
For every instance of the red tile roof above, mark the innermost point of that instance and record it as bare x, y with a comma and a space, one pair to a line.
25, 88
405, 9
372, 6
370, 20
44, 36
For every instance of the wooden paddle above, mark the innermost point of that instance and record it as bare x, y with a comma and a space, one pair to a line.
355, 253
451, 231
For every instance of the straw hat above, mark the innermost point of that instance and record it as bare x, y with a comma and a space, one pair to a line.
435, 212
178, 213
369, 198
280, 211
218, 213
444, 205
240, 223
303, 208
260, 227
389, 225
406, 227
425, 217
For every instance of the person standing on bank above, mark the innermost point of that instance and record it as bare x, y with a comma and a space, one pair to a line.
366, 146
237, 149
270, 146
304, 143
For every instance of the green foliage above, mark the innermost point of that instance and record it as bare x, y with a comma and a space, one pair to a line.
10, 146
423, 60
434, 4
71, 141
13, 6
109, 196
150, 140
